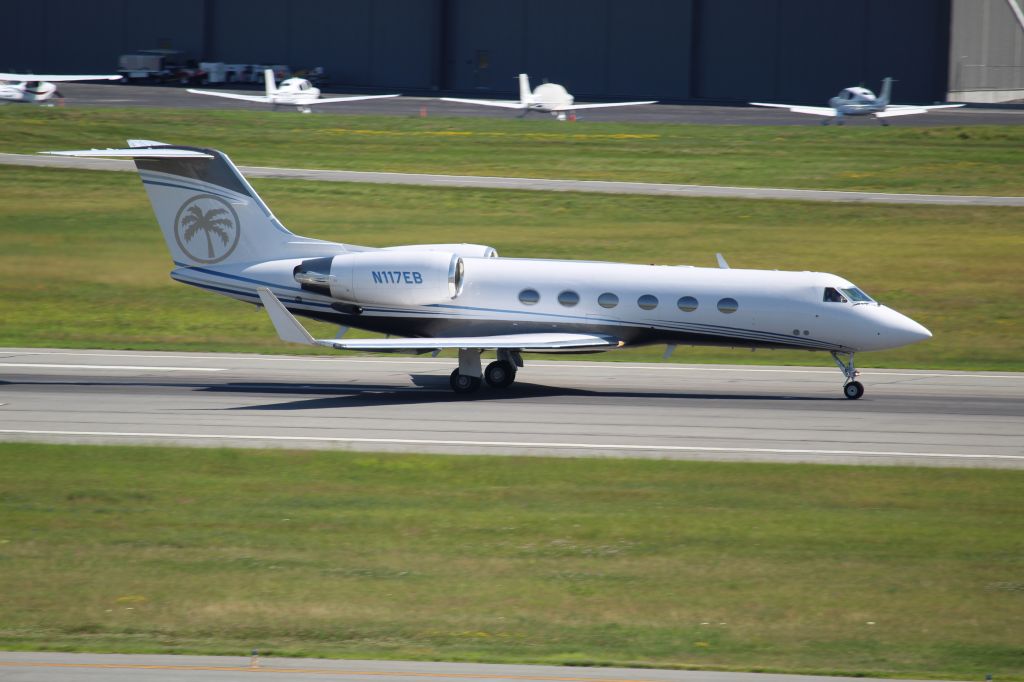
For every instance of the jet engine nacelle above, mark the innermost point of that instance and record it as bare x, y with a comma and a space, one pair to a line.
462, 250
384, 277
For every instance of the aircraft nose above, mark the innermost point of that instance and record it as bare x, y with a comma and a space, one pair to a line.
899, 330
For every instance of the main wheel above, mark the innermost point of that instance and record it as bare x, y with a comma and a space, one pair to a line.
462, 383
853, 390
500, 374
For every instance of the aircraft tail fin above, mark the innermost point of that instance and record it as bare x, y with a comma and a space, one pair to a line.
208, 212
269, 83
886, 96
525, 93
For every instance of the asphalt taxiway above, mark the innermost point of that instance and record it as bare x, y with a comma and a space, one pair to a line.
542, 184
117, 95
557, 407
61, 667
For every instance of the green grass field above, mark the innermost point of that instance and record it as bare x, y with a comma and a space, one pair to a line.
853, 570
83, 263
902, 158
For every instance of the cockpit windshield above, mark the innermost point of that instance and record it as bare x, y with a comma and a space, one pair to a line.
857, 296
833, 295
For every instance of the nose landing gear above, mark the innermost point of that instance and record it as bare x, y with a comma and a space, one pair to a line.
852, 389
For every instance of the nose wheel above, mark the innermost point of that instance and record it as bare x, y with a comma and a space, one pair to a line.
852, 389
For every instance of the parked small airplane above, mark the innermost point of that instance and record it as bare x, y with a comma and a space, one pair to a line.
296, 92
224, 239
30, 87
548, 97
857, 101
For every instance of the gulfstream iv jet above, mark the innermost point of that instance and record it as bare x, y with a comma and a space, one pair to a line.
224, 239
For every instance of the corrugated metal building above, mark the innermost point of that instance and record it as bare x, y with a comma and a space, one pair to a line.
672, 50
986, 57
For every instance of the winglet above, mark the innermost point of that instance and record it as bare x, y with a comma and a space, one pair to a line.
288, 328
721, 261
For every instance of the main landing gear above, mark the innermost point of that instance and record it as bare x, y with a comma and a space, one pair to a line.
852, 389
499, 374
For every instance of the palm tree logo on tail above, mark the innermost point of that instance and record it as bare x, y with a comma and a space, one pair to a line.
206, 228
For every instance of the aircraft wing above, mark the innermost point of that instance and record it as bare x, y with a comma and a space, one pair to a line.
506, 103
356, 98
291, 330
600, 105
35, 77
231, 95
799, 109
908, 109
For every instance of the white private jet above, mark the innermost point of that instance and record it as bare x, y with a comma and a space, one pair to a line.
857, 101
30, 87
551, 98
295, 92
224, 239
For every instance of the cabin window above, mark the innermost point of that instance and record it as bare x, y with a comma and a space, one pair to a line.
687, 304
568, 298
728, 305
647, 302
529, 296
608, 300
833, 296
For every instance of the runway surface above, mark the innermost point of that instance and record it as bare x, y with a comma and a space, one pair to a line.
59, 667
598, 186
116, 95
557, 407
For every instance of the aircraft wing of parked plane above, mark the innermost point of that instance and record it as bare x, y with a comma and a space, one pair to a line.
799, 109
505, 103
225, 240
297, 92
50, 78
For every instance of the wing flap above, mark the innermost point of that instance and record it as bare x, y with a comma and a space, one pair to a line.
292, 331
137, 153
601, 105
507, 104
799, 109
230, 95
356, 98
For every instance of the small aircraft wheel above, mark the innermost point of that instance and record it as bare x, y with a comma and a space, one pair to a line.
825, 122
500, 374
853, 390
462, 383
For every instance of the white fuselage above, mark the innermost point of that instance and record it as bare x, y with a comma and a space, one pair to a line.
856, 102
295, 91
549, 98
730, 307
27, 91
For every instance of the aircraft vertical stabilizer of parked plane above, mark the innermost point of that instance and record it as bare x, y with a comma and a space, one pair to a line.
224, 239
550, 98
30, 87
294, 92
858, 101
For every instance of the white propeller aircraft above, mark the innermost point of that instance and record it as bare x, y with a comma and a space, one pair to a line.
224, 239
296, 92
857, 101
548, 97
30, 87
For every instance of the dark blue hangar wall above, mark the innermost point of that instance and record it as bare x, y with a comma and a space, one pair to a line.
786, 50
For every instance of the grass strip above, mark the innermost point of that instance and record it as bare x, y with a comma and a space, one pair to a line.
800, 568
941, 160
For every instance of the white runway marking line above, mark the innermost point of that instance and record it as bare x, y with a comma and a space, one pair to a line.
140, 368
513, 444
440, 364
